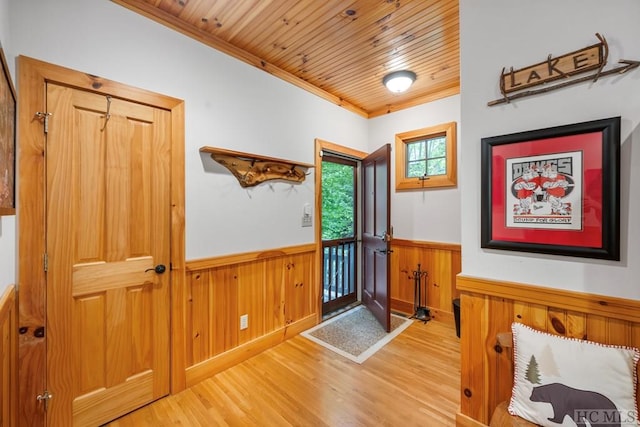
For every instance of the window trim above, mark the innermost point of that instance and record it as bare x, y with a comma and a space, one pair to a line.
448, 130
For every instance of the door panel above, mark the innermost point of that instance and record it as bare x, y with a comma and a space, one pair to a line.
376, 235
108, 225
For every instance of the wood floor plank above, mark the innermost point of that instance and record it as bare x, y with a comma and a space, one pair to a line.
412, 381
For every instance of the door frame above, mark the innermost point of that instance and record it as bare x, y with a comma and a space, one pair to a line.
33, 76
357, 155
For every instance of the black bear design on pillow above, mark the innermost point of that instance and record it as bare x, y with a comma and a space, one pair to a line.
576, 403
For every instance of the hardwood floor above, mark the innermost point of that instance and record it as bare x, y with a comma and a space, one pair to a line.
412, 381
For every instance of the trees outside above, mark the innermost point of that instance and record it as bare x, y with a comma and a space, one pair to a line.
427, 157
338, 200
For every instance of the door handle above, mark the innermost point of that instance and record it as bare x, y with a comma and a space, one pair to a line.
160, 268
386, 237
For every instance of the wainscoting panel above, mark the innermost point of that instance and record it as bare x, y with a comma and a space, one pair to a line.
8, 358
442, 263
276, 290
489, 307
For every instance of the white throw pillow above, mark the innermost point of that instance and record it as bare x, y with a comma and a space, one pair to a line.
561, 381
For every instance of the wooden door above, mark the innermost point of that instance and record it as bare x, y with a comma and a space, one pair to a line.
107, 242
376, 235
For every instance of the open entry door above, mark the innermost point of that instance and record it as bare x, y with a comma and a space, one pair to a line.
376, 234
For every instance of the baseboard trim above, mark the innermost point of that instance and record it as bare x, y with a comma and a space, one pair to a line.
465, 421
219, 363
402, 306
407, 308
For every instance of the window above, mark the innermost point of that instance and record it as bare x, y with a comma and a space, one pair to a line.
426, 158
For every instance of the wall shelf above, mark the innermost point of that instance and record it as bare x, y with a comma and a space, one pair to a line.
253, 169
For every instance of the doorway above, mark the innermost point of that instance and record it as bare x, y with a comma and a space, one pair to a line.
366, 244
95, 263
339, 232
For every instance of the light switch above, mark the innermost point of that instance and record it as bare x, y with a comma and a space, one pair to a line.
307, 218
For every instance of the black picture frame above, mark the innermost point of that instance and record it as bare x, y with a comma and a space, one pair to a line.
574, 212
7, 140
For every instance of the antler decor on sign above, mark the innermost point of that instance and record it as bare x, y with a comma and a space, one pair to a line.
515, 84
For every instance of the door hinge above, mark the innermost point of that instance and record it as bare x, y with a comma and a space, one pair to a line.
45, 262
44, 118
45, 397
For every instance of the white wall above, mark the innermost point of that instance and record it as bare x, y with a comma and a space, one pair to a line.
232, 105
504, 33
7, 223
432, 214
228, 104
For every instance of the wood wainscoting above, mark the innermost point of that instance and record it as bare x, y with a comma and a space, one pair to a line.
442, 263
489, 307
8, 357
275, 289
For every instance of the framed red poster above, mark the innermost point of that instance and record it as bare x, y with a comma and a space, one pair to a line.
554, 190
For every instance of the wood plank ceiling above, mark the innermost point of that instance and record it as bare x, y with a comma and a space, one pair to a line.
339, 50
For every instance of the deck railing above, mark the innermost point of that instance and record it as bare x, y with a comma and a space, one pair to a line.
339, 273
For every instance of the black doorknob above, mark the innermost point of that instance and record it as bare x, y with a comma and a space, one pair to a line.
160, 268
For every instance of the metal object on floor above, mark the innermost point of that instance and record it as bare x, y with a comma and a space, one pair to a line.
420, 312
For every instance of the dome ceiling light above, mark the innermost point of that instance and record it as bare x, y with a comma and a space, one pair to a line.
399, 81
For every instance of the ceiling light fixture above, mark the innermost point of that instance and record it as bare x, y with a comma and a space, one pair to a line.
399, 81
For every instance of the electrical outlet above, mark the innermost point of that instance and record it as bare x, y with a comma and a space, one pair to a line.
244, 321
